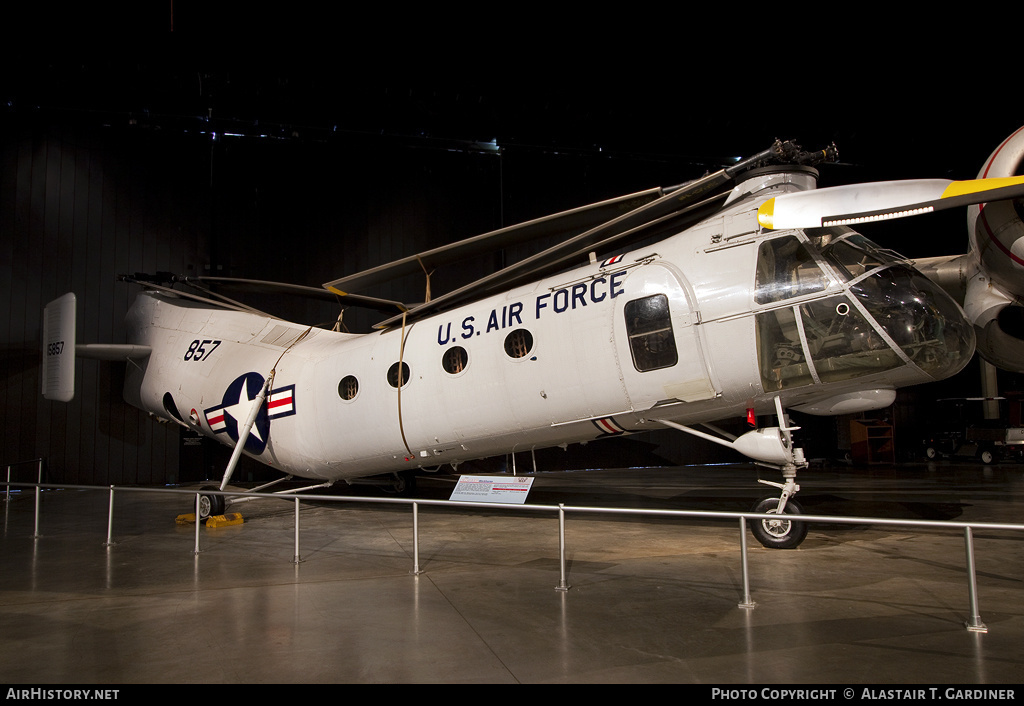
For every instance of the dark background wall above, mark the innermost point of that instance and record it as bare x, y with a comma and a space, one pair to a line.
292, 173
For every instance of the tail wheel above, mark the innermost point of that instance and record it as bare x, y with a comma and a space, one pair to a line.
778, 533
210, 505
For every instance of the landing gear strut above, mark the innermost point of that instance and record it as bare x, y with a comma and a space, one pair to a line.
772, 447
780, 533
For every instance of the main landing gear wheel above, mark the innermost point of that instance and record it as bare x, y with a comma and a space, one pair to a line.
405, 484
780, 533
210, 505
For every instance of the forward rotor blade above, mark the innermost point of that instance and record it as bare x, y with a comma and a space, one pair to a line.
861, 203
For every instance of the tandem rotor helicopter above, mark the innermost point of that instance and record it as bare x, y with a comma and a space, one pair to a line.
745, 292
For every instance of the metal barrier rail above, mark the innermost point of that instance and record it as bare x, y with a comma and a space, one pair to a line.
974, 623
39, 479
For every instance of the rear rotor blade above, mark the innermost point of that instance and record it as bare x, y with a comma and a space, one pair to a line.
573, 221
672, 203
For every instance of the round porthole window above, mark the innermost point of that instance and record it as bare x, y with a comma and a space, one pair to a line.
348, 388
396, 379
454, 360
518, 343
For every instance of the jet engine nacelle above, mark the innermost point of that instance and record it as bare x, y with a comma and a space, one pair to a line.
998, 324
994, 298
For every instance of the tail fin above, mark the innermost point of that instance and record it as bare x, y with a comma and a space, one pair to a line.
59, 349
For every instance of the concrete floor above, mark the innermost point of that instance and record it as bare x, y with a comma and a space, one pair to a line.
652, 600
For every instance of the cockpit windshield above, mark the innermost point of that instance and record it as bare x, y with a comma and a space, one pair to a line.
886, 316
852, 254
919, 318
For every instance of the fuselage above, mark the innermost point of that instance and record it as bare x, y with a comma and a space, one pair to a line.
697, 327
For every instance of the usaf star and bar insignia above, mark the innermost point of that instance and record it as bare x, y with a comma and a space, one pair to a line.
237, 403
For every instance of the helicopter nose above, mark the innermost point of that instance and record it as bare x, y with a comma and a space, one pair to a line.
920, 319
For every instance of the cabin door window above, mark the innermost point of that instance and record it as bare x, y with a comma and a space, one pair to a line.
649, 329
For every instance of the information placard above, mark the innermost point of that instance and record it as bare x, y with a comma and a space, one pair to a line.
492, 489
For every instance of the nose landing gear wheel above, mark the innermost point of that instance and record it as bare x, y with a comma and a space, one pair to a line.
778, 533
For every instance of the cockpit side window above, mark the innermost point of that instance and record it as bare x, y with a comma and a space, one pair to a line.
649, 328
785, 269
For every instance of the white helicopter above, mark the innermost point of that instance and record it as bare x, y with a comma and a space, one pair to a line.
738, 294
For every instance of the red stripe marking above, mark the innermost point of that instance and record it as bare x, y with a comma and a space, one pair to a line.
981, 207
998, 150
998, 243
